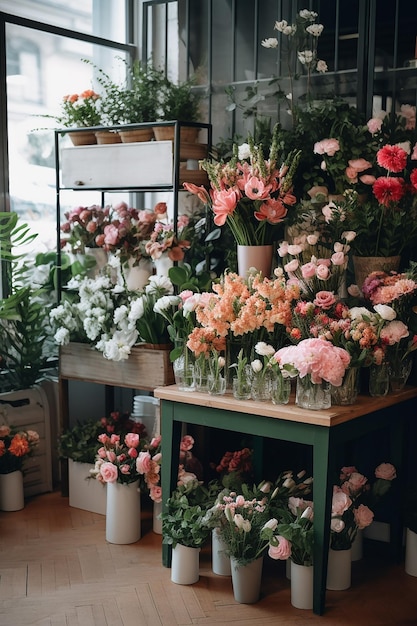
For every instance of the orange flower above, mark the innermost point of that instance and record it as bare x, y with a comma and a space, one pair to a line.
19, 445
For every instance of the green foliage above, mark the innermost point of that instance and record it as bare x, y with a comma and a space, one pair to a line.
182, 521
80, 442
179, 101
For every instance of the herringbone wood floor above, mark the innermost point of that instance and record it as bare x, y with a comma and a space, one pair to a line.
56, 569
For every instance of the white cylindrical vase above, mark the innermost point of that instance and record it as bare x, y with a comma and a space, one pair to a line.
220, 561
411, 553
123, 523
156, 520
185, 565
301, 586
11, 491
339, 570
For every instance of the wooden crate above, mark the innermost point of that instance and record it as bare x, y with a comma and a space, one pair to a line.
146, 368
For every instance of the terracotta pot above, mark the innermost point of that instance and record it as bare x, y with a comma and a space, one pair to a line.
188, 134
137, 134
259, 257
83, 138
107, 136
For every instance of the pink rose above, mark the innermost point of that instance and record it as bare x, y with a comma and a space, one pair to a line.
155, 493
356, 483
292, 266
363, 516
102, 453
322, 272
340, 502
338, 258
386, 471
324, 299
374, 125
108, 472
132, 440
133, 453
125, 469
187, 443
282, 551
111, 235
308, 270
111, 455
143, 462
155, 441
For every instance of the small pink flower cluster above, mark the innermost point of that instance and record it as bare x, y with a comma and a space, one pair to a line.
116, 459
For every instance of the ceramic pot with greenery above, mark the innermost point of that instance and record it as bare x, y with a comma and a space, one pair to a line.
179, 102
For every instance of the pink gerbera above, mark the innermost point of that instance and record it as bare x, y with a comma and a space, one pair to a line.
388, 190
392, 158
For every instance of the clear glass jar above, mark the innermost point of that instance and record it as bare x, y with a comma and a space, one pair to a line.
313, 396
378, 380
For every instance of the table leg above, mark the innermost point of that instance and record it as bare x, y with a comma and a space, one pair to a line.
170, 447
323, 464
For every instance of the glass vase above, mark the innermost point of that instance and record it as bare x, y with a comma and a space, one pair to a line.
184, 368
201, 370
281, 389
399, 370
378, 380
216, 385
242, 387
347, 392
261, 386
313, 396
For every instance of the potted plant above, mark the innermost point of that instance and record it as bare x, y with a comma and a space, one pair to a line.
80, 111
134, 101
184, 530
178, 102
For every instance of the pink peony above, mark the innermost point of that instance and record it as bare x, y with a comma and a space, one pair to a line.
326, 146
386, 471
393, 332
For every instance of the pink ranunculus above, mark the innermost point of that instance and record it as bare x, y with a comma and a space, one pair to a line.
386, 471
187, 443
374, 125
282, 551
338, 258
363, 516
324, 299
143, 462
322, 271
108, 472
132, 440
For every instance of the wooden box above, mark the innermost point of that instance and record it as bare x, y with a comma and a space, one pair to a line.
146, 368
85, 493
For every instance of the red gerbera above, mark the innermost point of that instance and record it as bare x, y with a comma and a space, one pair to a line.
388, 190
392, 158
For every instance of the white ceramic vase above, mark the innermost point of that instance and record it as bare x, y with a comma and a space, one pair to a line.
339, 570
301, 586
136, 276
11, 491
185, 565
123, 523
220, 562
246, 580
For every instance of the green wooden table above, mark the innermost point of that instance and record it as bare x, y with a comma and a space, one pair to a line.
326, 431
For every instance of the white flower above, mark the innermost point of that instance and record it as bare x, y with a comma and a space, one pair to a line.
359, 312
256, 366
315, 29
270, 42
305, 56
137, 309
337, 525
62, 336
305, 14
165, 303
348, 235
321, 66
385, 311
159, 283
263, 349
307, 513
272, 524
244, 152
312, 239
120, 314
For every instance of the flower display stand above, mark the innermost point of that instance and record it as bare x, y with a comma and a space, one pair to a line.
85, 493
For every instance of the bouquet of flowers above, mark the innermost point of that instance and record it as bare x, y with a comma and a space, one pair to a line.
127, 232
116, 459
112, 320
316, 359
16, 445
295, 524
235, 468
165, 240
84, 227
252, 195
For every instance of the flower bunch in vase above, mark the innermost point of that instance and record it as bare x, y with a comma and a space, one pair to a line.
250, 193
295, 524
319, 364
116, 459
127, 232
216, 381
84, 227
262, 373
165, 239
241, 382
235, 468
16, 445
